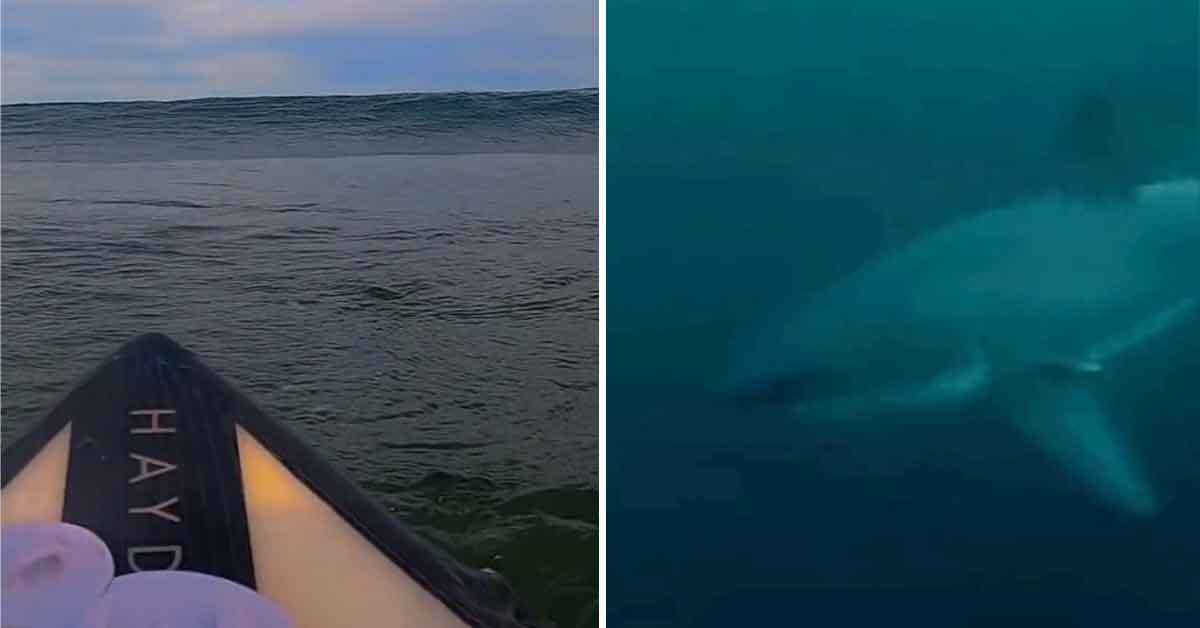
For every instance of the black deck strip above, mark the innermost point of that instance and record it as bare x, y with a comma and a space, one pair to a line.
153, 467
176, 483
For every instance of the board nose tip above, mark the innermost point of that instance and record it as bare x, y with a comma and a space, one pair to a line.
152, 343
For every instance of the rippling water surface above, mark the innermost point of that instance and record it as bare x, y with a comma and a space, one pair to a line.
410, 282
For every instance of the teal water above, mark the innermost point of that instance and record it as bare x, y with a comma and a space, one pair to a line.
760, 151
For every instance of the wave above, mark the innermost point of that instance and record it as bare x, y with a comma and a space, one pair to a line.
305, 126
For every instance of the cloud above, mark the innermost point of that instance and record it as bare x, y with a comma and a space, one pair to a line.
232, 18
168, 49
188, 20
30, 78
250, 73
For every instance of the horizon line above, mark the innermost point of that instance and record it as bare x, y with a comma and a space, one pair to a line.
282, 96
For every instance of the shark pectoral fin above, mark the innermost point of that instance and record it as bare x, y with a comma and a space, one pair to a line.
1155, 325
951, 387
1074, 430
1096, 358
1074, 367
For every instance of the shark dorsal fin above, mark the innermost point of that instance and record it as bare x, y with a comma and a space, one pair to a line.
1093, 149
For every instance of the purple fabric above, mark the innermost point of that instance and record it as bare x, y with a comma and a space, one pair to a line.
52, 573
178, 599
61, 576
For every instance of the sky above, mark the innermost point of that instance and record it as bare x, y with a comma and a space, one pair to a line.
99, 50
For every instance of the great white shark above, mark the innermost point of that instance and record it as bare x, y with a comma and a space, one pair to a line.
1030, 306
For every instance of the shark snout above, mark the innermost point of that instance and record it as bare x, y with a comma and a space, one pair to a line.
783, 388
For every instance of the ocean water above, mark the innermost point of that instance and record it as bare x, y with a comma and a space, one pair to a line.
408, 281
758, 152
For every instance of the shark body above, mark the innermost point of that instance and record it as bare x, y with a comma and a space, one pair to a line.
1028, 305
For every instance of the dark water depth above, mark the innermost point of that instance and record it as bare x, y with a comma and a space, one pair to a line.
760, 152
